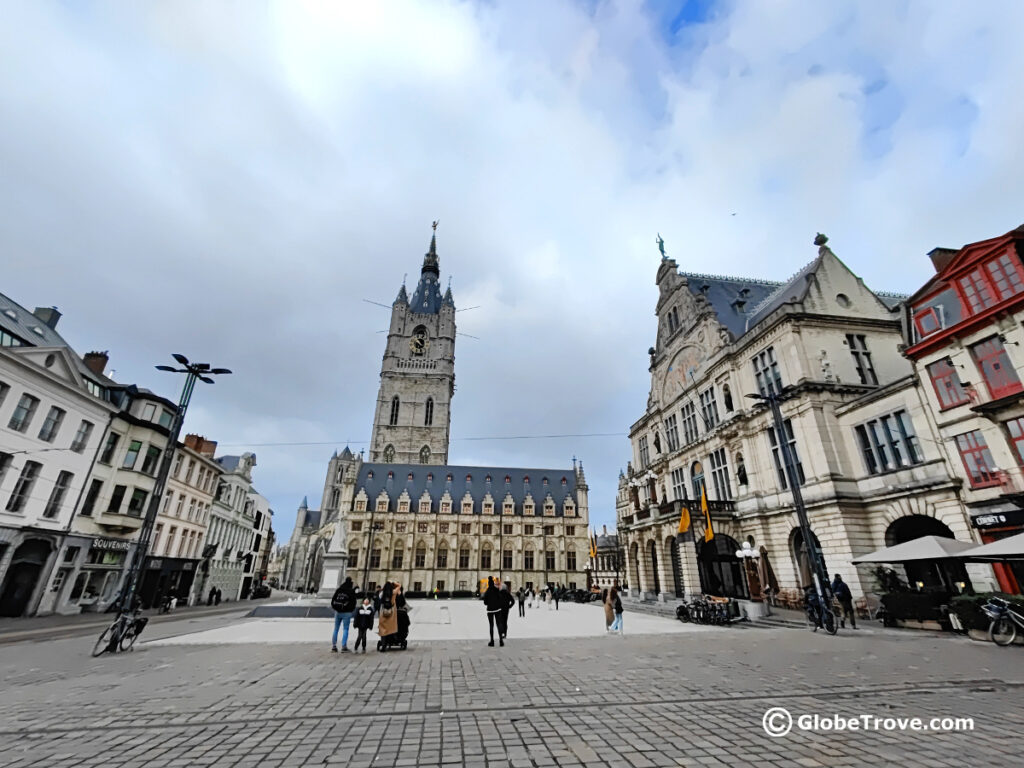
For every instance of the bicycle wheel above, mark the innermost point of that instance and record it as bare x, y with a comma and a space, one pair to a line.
828, 620
1002, 631
682, 614
103, 644
127, 639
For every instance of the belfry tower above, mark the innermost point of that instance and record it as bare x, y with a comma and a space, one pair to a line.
412, 419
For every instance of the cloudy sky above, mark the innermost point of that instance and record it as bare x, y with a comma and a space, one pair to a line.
230, 180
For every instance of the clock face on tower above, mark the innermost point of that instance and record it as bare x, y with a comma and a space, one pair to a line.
419, 342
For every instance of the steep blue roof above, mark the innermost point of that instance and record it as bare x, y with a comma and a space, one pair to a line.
478, 481
426, 300
732, 298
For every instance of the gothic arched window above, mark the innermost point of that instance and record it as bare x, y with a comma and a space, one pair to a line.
428, 415
389, 453
394, 411
425, 455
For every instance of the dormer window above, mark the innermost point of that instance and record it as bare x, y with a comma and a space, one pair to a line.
528, 509
424, 507
360, 505
488, 508
403, 506
446, 507
467, 507
382, 505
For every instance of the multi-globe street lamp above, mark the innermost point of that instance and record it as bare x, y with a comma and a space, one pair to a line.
193, 372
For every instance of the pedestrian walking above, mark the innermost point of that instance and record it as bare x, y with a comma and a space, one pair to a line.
344, 604
507, 601
521, 599
609, 609
556, 596
387, 624
216, 598
363, 622
492, 604
616, 603
842, 592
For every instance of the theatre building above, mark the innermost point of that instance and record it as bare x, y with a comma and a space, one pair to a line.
871, 472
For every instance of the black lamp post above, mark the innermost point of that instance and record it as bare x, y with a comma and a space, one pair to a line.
821, 583
192, 371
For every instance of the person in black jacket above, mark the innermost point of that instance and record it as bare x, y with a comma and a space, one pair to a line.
344, 605
493, 605
842, 592
363, 622
521, 598
506, 603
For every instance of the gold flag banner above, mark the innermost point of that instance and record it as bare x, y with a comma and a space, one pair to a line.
593, 544
684, 520
709, 532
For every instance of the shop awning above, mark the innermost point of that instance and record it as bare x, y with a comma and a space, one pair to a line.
924, 548
1010, 548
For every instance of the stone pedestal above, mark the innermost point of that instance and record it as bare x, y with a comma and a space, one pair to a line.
334, 573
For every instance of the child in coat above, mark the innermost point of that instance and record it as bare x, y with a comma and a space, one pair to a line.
363, 622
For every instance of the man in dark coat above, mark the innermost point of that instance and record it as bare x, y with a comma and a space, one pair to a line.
506, 603
521, 598
344, 605
493, 604
842, 592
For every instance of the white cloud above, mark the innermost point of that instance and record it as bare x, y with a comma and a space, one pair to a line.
232, 183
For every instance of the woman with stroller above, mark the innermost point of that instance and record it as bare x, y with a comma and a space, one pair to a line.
393, 624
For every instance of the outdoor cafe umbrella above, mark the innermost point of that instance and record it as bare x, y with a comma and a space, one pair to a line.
1010, 548
924, 548
765, 573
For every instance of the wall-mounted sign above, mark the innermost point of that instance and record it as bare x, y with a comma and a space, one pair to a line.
119, 544
999, 519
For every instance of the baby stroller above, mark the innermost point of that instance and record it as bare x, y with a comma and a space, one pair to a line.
400, 638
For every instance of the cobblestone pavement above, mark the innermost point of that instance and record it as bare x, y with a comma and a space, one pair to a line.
659, 700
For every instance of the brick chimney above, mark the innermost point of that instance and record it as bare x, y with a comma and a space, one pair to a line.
941, 257
95, 361
49, 316
201, 445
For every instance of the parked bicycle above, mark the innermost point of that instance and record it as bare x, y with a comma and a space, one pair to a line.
1005, 620
702, 610
121, 634
819, 613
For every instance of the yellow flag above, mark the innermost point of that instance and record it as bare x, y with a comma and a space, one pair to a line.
709, 532
593, 544
684, 519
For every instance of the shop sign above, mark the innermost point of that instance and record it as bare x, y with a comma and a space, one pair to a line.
999, 519
155, 565
120, 544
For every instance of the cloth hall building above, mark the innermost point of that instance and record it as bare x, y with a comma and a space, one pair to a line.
872, 468
405, 514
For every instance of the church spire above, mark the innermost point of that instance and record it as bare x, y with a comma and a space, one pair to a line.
426, 299
430, 262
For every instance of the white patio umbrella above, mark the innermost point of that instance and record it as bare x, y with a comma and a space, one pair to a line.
923, 548
1010, 548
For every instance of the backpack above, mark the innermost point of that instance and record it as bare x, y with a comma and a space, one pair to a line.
343, 601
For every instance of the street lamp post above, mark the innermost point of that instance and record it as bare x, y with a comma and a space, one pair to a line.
821, 583
374, 527
192, 371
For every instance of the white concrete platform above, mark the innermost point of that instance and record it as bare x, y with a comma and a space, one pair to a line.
444, 620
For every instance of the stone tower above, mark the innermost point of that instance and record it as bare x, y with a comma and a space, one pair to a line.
412, 419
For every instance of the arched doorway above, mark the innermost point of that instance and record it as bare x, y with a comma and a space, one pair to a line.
652, 555
926, 574
802, 559
721, 574
22, 576
672, 556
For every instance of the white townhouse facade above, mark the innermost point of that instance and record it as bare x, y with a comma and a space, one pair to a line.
175, 565
53, 415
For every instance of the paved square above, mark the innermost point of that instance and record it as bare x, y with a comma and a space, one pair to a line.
690, 697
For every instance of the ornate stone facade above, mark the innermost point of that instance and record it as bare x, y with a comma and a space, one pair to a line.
407, 515
870, 467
